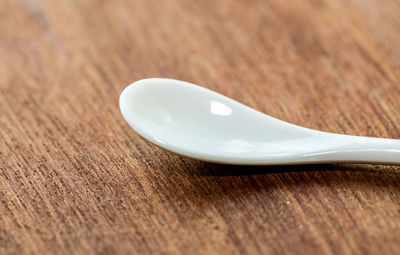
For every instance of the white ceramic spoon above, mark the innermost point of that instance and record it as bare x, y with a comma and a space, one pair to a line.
199, 123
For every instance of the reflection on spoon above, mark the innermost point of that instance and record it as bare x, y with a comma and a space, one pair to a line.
199, 123
219, 108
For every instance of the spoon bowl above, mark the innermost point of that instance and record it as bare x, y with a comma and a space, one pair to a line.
196, 122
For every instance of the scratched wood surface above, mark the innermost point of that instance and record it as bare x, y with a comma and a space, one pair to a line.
75, 179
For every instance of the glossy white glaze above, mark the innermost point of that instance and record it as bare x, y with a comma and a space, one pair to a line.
199, 123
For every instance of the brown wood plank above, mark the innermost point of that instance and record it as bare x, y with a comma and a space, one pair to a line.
75, 179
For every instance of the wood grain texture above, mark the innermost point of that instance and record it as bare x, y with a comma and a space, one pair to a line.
75, 178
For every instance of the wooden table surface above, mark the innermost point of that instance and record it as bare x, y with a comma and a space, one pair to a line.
76, 179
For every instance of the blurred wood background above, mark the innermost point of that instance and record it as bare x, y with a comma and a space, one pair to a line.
76, 179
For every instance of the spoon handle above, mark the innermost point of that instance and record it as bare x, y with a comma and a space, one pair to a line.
359, 149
